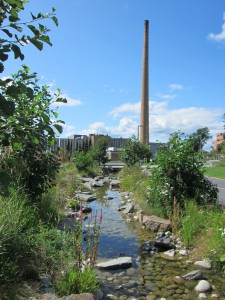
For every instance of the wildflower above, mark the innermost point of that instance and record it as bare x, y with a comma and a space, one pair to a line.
100, 218
81, 213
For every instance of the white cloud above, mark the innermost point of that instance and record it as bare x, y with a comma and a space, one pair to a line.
175, 87
70, 102
163, 120
108, 89
218, 37
126, 127
167, 96
125, 108
68, 130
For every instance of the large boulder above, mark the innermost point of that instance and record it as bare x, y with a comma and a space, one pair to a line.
85, 197
116, 263
129, 208
153, 223
115, 184
194, 275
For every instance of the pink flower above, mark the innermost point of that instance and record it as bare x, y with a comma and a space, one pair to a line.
100, 218
81, 213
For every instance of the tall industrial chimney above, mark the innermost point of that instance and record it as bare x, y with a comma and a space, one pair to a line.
144, 119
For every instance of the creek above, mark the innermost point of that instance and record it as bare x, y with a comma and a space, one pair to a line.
151, 277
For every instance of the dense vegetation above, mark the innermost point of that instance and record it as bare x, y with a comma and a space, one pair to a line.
31, 197
178, 189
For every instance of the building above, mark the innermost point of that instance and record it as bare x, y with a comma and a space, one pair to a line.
220, 137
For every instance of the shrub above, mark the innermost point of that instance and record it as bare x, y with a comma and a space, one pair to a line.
133, 151
179, 176
83, 160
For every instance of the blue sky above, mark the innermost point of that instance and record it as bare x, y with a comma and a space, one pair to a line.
96, 60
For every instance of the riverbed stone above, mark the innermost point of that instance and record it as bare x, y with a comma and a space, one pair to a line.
85, 197
205, 264
129, 208
202, 296
170, 253
117, 263
154, 223
183, 252
96, 183
111, 296
115, 184
194, 275
203, 286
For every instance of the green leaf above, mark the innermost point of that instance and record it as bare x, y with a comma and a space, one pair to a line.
12, 90
23, 87
18, 28
60, 121
1, 67
55, 114
7, 32
62, 100
6, 107
3, 56
33, 29
30, 93
58, 127
36, 43
17, 52
33, 16
45, 39
55, 20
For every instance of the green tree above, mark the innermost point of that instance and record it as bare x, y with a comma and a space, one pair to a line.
26, 134
15, 34
179, 176
83, 160
99, 151
200, 137
133, 151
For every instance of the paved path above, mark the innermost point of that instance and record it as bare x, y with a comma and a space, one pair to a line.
221, 185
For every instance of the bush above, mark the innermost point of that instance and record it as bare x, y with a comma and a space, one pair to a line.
133, 152
179, 176
83, 160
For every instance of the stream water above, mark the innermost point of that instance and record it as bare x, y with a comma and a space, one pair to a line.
151, 277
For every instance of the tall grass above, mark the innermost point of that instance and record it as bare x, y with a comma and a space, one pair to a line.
204, 228
134, 180
27, 247
77, 281
193, 222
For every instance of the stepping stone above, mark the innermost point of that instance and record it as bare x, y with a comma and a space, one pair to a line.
117, 263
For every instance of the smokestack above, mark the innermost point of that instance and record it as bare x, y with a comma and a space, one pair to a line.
144, 119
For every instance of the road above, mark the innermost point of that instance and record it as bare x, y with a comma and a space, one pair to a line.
221, 186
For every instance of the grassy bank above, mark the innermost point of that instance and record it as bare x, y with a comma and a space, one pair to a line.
31, 244
217, 171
